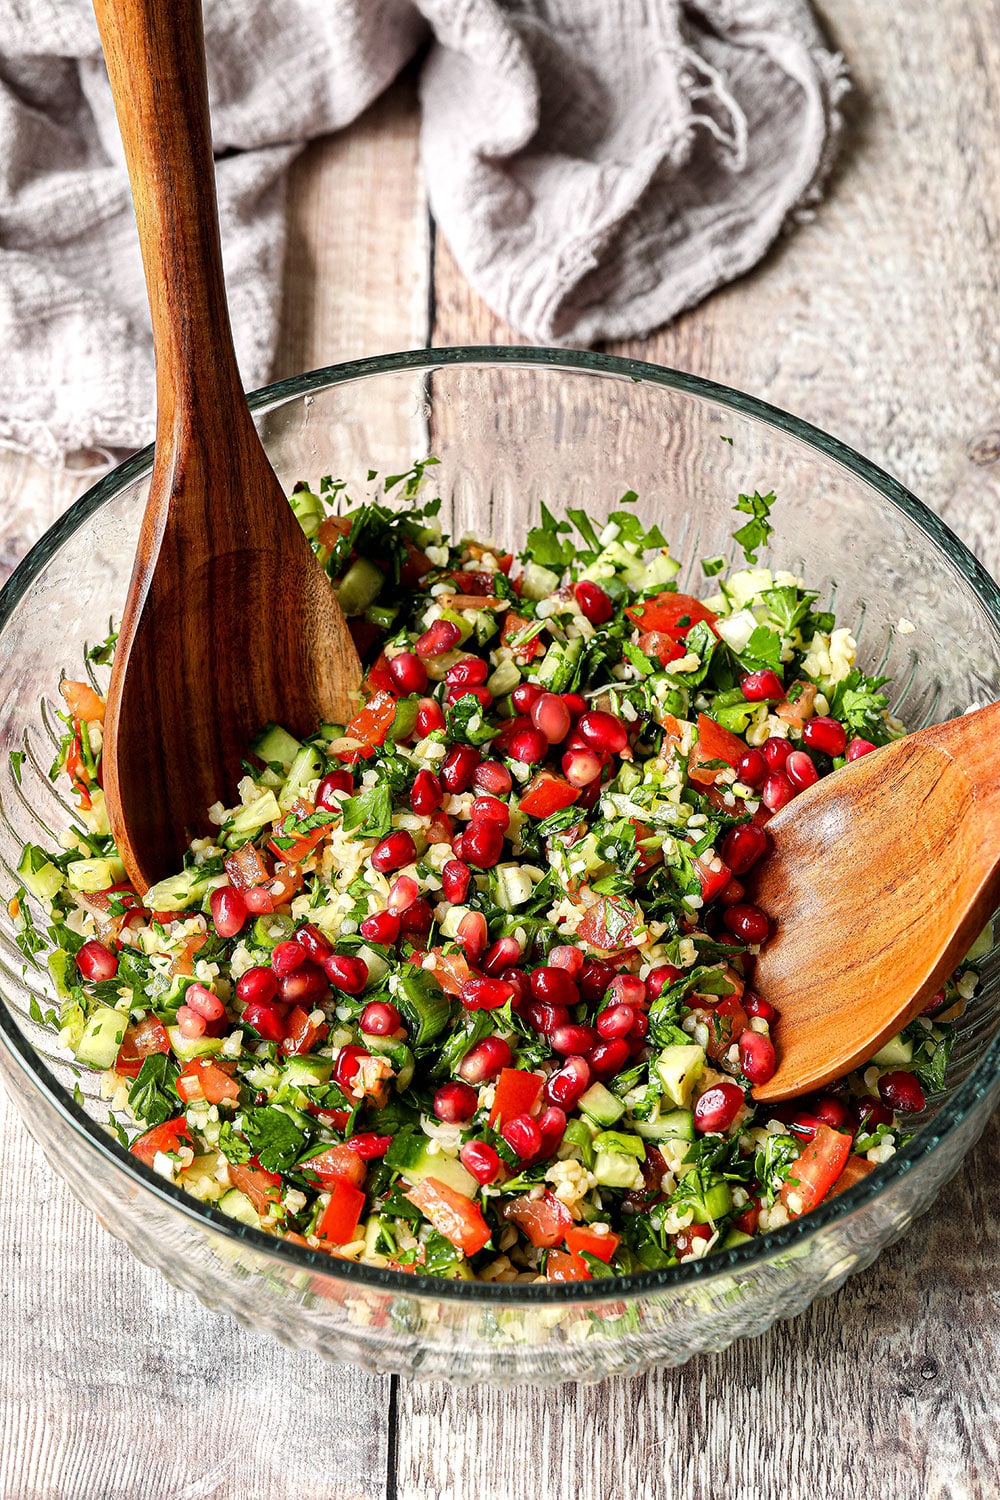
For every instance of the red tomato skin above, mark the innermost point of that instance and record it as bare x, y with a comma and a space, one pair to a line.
139, 1042
456, 1217
856, 1168
581, 1238
822, 1160
338, 1163
664, 612
544, 1220
370, 726
517, 1093
165, 1137
563, 1265
608, 925
339, 1220
204, 1078
546, 794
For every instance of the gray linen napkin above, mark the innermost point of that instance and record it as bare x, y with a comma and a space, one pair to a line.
596, 166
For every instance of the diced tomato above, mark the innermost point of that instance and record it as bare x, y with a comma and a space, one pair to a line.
82, 702
331, 529
517, 1093
609, 924
440, 830
370, 726
416, 566
169, 1136
78, 773
377, 679
648, 858
480, 585
714, 743
208, 1078
338, 1163
726, 1023
246, 867
338, 1222
713, 882
301, 1034
685, 1242
304, 843
183, 959
122, 894
262, 1187
660, 646
582, 1239
563, 1265
855, 1169
285, 884
748, 1219
817, 1169
546, 794
450, 969
512, 626
671, 613
798, 712
138, 1043
336, 1118
544, 1220
456, 1217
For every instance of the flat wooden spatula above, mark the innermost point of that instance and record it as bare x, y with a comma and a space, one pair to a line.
879, 880
230, 621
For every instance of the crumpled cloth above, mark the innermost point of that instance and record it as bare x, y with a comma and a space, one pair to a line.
595, 165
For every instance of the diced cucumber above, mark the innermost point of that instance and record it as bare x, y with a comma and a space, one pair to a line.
425, 1007
61, 967
512, 886
714, 1203
306, 767
612, 1169
733, 1238
307, 1072
38, 874
405, 719
580, 1133
412, 1158
187, 1047
95, 874
538, 582
677, 1125
178, 892
308, 509
896, 1053
620, 1141
982, 945
250, 820
660, 570
359, 587
272, 928
382, 615
276, 746
238, 1206
505, 679
558, 664
102, 1036
678, 1068
486, 627
601, 1105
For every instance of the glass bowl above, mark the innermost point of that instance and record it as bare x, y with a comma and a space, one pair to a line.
512, 428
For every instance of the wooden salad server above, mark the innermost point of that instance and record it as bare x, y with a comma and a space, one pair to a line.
230, 620
879, 880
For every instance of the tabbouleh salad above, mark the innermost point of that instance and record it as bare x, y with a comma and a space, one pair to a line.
462, 987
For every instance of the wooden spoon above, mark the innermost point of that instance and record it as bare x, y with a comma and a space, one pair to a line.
879, 880
230, 620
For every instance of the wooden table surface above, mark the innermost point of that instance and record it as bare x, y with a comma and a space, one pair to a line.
878, 321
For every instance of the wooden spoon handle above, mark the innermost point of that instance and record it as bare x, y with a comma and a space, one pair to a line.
155, 52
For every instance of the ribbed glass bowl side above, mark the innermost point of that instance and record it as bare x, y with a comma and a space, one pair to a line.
574, 430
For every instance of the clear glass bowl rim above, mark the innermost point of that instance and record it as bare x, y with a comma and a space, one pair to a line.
723, 1263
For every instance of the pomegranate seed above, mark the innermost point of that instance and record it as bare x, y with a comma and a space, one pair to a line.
470, 672
402, 894
438, 638
589, 795
640, 1026
752, 769
746, 922
757, 687
593, 601
201, 1000
381, 927
603, 732
825, 1107
430, 717
394, 851
757, 1056
608, 1058
581, 767
554, 985
190, 1023
257, 985
551, 717
455, 878
800, 770
229, 910
776, 752
575, 704
743, 847
346, 973
473, 936
380, 1018
492, 777
901, 1091
482, 844
732, 893
525, 696
481, 694
458, 768
803, 1124
426, 795
872, 1113
615, 1021
485, 1060
522, 989
859, 747
573, 1041
552, 1127
315, 944
485, 994
265, 1019
717, 1107
501, 954
287, 957
547, 1018
490, 810
303, 985
454, 1103
658, 979
594, 979
258, 900
522, 1136
408, 673
417, 920
348, 1062
333, 781
480, 1160
368, 1145
564, 1087
528, 746
934, 1003
825, 734
96, 962
567, 957
777, 791
755, 1006
628, 989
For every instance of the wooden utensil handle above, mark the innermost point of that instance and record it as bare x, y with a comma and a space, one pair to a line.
155, 52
